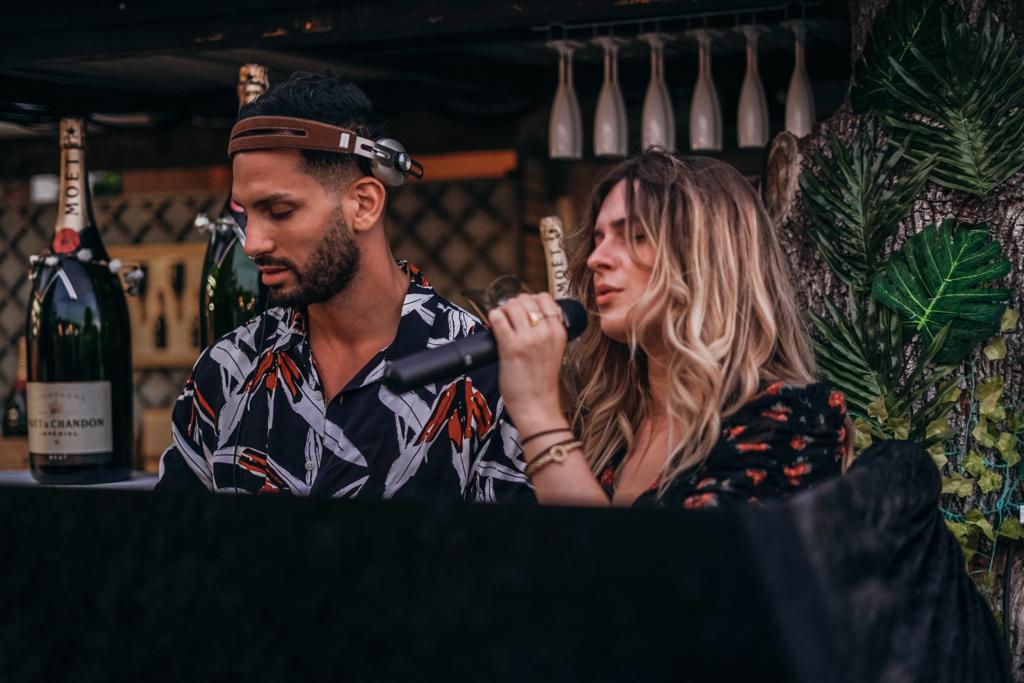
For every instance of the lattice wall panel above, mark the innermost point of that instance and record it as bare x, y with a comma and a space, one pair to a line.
462, 234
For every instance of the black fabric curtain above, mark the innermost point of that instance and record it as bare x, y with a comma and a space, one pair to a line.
857, 580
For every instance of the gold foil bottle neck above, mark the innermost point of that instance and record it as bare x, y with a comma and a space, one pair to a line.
22, 360
72, 132
252, 82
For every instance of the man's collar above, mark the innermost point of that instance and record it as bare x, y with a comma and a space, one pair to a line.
420, 307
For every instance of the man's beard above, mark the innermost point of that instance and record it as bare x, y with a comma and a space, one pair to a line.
328, 272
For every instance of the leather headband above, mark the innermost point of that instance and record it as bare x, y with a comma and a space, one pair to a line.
289, 132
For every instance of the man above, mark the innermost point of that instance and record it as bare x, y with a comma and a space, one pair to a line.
293, 400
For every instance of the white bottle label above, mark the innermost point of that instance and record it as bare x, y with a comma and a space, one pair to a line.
69, 417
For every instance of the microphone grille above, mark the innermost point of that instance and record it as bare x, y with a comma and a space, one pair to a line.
575, 316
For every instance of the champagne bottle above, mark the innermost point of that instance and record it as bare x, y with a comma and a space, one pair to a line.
15, 416
231, 292
79, 386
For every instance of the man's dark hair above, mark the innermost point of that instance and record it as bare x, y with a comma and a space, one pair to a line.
325, 98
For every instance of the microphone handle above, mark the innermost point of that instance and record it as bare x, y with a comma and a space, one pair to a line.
441, 363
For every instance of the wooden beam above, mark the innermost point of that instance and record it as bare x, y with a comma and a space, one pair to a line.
496, 163
212, 178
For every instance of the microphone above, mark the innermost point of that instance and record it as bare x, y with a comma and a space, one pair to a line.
464, 354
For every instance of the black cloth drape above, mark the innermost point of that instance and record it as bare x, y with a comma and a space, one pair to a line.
855, 580
897, 595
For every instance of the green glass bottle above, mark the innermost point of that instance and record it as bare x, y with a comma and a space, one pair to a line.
78, 334
231, 292
15, 415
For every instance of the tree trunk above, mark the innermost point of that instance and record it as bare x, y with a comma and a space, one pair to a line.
1003, 210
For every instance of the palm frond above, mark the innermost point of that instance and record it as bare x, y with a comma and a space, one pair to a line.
858, 200
898, 27
963, 107
847, 356
924, 377
854, 355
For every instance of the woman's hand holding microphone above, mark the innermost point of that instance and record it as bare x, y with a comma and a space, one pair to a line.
531, 337
531, 343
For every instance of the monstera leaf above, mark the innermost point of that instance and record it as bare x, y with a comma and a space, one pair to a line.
942, 277
900, 25
967, 107
857, 202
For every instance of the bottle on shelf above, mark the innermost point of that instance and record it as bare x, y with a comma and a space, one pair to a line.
15, 415
79, 388
160, 327
230, 292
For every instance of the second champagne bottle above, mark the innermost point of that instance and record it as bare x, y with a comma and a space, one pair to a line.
230, 292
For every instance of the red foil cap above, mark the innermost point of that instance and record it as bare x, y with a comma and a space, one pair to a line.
66, 241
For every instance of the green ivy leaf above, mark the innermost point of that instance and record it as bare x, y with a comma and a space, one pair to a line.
958, 485
943, 276
974, 463
996, 349
966, 535
976, 518
1011, 458
1006, 444
1009, 321
990, 481
878, 410
861, 434
996, 414
1015, 421
1011, 528
940, 429
982, 435
900, 427
988, 388
938, 453
959, 529
989, 393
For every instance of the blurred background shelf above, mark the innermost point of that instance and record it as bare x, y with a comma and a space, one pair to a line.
13, 453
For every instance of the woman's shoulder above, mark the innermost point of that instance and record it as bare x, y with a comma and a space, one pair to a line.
783, 421
791, 406
786, 438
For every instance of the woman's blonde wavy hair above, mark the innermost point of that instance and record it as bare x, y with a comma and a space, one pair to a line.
719, 295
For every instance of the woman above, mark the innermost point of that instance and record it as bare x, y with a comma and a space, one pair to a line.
695, 385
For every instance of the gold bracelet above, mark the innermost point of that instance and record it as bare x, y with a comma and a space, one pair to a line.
556, 453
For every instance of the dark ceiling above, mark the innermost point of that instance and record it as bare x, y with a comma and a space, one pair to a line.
473, 68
